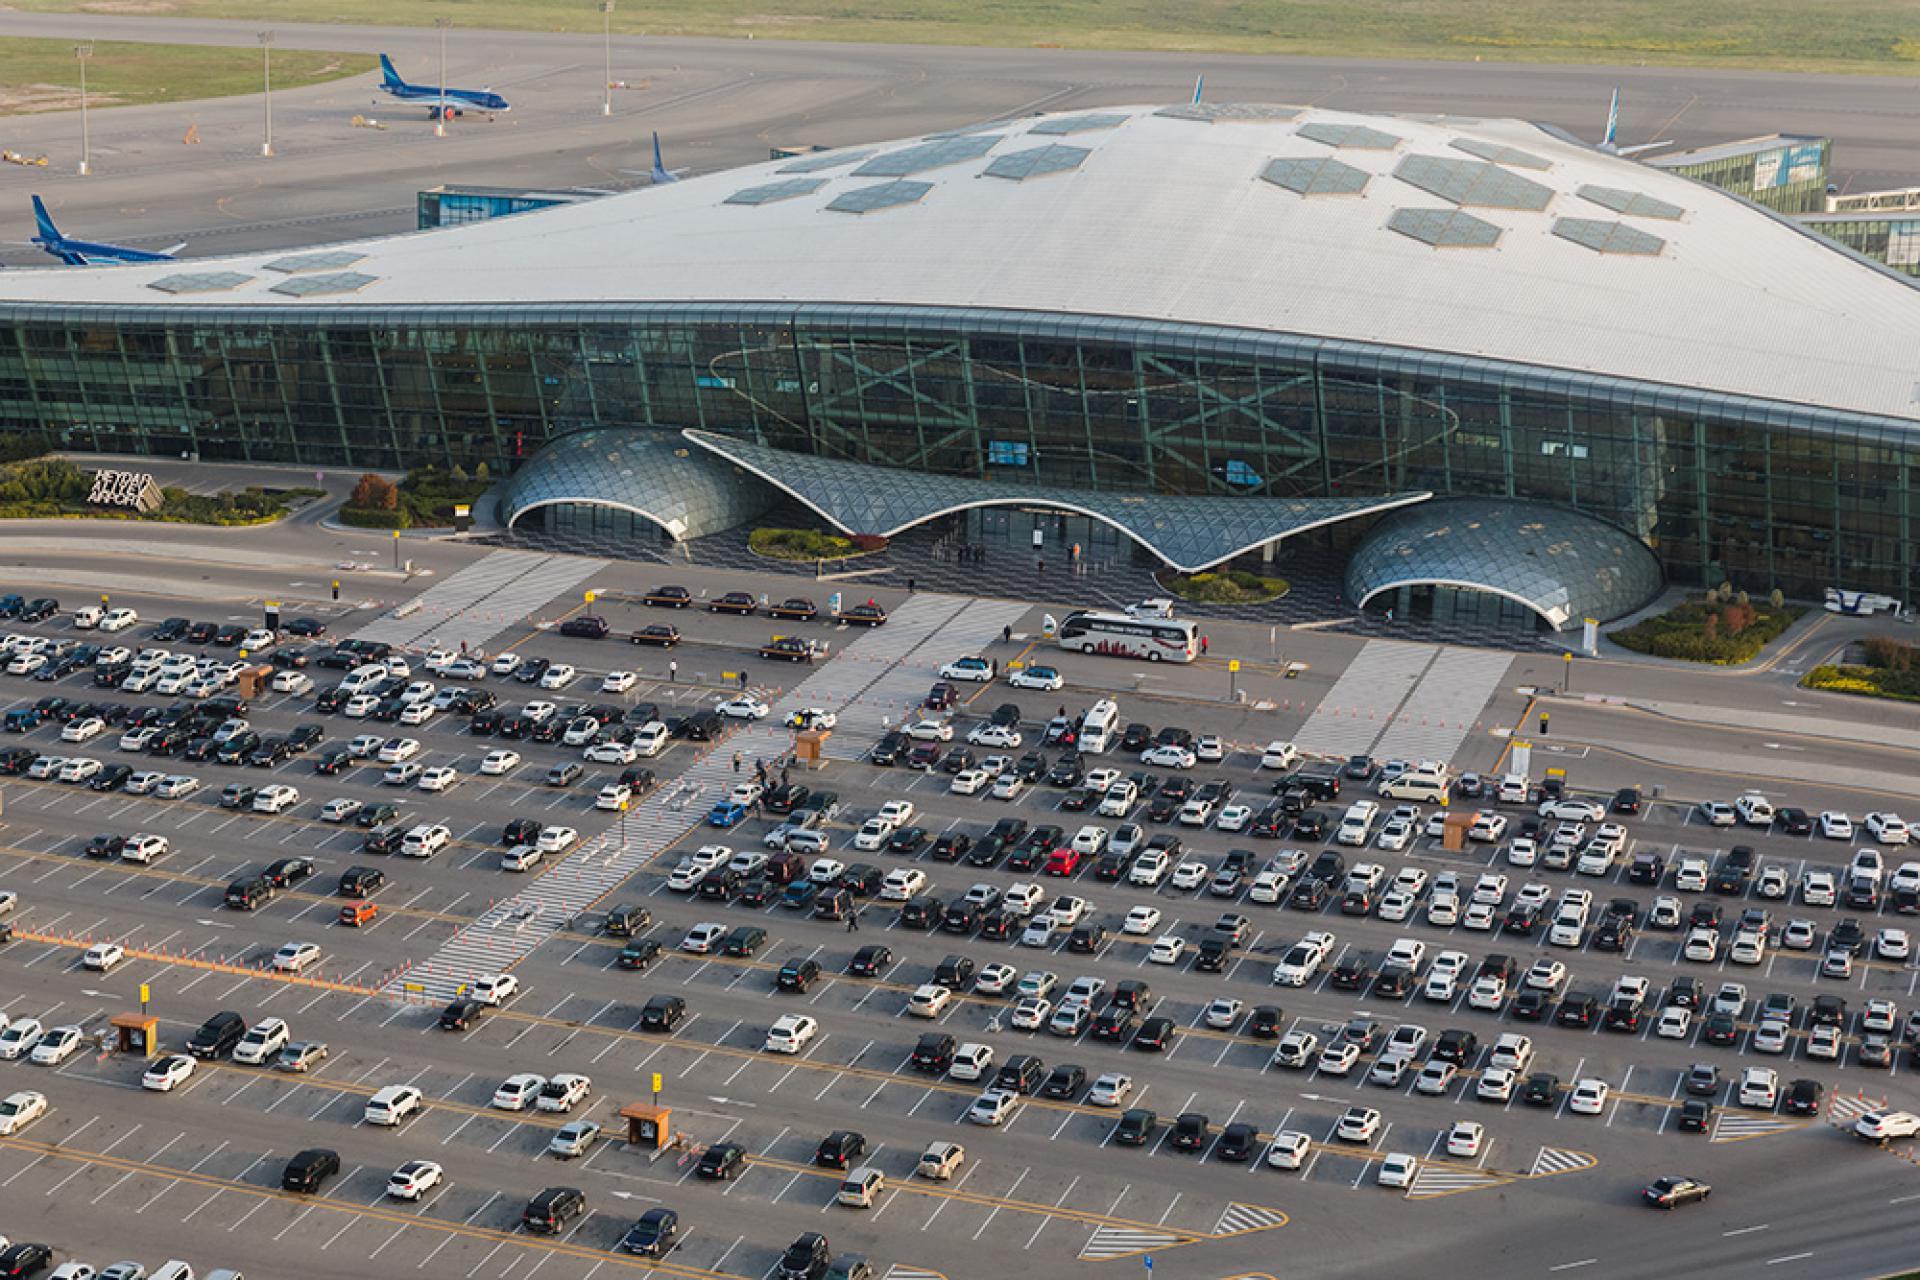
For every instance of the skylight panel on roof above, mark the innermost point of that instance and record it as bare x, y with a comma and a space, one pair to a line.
1444, 228
923, 156
1315, 176
966, 129
331, 260
1078, 124
1355, 137
830, 160
1608, 237
200, 282
1631, 203
1227, 112
884, 196
1037, 162
1472, 182
773, 191
313, 286
1500, 153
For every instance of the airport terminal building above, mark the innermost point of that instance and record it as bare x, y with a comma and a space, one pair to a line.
1442, 343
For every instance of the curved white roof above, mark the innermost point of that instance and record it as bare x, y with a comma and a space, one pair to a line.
1168, 217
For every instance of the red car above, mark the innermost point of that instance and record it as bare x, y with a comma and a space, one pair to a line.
1063, 862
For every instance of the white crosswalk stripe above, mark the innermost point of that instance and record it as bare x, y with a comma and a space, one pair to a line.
1443, 707
1441, 1180
1247, 1217
1559, 1160
899, 1271
1845, 1108
1356, 709
1731, 1127
482, 600
845, 683
1121, 1242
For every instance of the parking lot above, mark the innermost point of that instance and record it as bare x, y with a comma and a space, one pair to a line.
1047, 1187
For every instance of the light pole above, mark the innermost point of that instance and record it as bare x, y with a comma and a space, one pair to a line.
82, 52
606, 12
440, 123
266, 86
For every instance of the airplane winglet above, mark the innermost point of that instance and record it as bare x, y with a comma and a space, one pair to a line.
41, 216
1613, 121
660, 173
1199, 86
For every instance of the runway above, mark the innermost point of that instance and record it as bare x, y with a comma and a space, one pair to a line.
720, 103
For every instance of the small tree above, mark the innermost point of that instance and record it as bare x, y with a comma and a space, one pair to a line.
375, 493
1742, 597
482, 474
458, 474
1778, 598
1711, 627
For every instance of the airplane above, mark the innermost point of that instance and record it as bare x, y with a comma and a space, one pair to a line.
1198, 85
478, 99
659, 173
85, 253
1609, 145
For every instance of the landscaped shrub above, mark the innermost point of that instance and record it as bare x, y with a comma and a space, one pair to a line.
802, 544
1717, 629
1226, 586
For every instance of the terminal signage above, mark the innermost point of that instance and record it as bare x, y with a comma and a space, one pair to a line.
135, 489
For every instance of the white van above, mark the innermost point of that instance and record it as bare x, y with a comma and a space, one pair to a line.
1422, 784
1357, 823
1100, 727
175, 1270
87, 617
361, 679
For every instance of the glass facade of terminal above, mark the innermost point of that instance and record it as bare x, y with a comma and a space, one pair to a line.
1892, 240
1787, 175
1762, 494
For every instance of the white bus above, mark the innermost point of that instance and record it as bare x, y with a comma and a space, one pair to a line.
1115, 634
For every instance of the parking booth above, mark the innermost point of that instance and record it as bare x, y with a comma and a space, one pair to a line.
253, 681
1453, 834
648, 1126
810, 747
137, 1032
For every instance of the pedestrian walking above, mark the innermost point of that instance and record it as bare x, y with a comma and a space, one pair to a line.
853, 920
673, 672
760, 772
743, 679
783, 775
737, 759
1203, 646
1006, 634
909, 586
1040, 564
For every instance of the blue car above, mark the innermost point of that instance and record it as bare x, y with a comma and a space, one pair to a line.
726, 814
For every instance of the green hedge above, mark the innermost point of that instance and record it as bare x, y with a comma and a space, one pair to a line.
1865, 682
428, 495
800, 544
1684, 632
375, 518
1226, 586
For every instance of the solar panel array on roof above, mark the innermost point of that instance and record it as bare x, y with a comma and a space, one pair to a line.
831, 160
1632, 203
1500, 153
884, 196
1037, 162
310, 286
1357, 137
200, 282
773, 191
1608, 237
1472, 182
1211, 112
1315, 176
328, 261
1444, 228
935, 154
1078, 124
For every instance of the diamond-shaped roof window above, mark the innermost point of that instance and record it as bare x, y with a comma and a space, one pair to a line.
774, 191
1225, 112
1444, 228
1356, 137
331, 260
312, 286
828, 160
884, 196
1078, 124
1500, 153
920, 157
200, 282
1473, 182
1631, 203
1315, 176
1608, 237
1037, 162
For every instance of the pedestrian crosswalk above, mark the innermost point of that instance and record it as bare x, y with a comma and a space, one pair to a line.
480, 601
512, 929
1240, 1218
1731, 1126
1444, 706
1365, 696
1845, 1108
1109, 1243
900, 1271
1552, 1160
1444, 1180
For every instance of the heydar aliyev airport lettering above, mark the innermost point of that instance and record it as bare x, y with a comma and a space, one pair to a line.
125, 489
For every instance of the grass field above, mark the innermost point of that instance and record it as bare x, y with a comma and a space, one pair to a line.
42, 75
1827, 35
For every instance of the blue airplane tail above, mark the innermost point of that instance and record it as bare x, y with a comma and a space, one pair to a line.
388, 76
1613, 118
1199, 86
660, 173
47, 229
